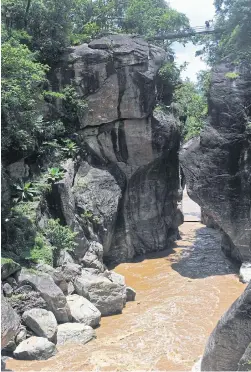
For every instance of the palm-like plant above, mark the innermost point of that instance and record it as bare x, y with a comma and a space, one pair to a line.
24, 192
55, 174
70, 148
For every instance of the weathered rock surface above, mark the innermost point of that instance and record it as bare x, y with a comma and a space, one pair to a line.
245, 361
35, 348
8, 267
42, 322
25, 298
74, 332
10, 323
70, 271
49, 291
56, 275
217, 165
94, 257
123, 195
83, 311
230, 338
21, 335
7, 289
107, 296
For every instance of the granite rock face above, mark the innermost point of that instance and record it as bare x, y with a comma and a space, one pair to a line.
217, 165
230, 338
122, 191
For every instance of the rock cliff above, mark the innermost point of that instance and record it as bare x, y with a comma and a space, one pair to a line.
217, 165
123, 192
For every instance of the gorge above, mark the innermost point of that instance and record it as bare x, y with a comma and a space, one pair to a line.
105, 223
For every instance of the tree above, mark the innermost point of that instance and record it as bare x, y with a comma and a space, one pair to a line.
233, 19
192, 107
22, 79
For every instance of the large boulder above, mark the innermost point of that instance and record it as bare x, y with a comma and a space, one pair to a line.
42, 322
10, 323
35, 348
217, 165
83, 311
74, 333
49, 291
124, 193
56, 275
230, 338
107, 296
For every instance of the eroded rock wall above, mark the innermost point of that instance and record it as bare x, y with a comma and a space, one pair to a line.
123, 192
217, 165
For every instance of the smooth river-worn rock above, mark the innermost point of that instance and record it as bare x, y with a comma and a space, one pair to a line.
35, 348
230, 338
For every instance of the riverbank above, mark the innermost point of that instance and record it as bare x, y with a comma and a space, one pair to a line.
180, 297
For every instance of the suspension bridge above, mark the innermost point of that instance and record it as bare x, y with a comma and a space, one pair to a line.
199, 30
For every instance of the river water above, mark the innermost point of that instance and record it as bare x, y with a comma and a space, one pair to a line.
181, 294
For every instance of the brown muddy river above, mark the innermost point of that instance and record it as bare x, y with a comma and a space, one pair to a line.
181, 295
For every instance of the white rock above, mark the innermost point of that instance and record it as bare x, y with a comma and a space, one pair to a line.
74, 332
83, 311
42, 322
107, 296
35, 348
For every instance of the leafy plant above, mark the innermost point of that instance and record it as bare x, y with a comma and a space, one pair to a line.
87, 214
232, 75
61, 237
55, 175
70, 148
40, 252
24, 192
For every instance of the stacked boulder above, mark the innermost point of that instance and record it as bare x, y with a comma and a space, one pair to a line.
51, 306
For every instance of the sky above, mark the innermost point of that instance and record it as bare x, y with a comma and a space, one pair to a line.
198, 11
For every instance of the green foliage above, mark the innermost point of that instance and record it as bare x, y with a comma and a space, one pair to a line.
22, 77
70, 149
47, 22
61, 237
74, 107
193, 106
87, 214
24, 192
170, 73
233, 18
55, 175
232, 75
41, 252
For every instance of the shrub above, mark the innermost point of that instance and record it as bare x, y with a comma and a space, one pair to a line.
61, 237
41, 252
